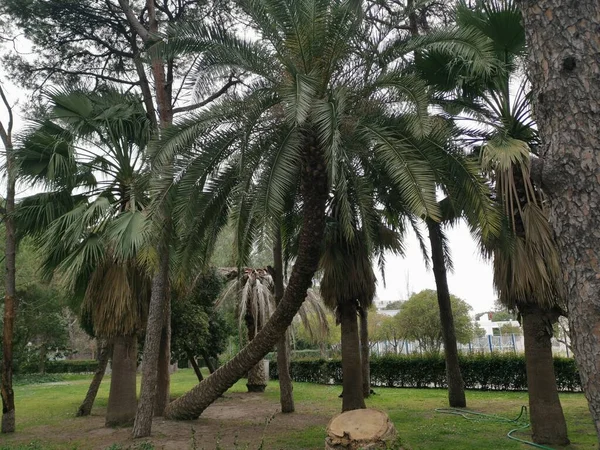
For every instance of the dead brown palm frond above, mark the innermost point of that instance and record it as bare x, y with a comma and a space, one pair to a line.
253, 297
117, 298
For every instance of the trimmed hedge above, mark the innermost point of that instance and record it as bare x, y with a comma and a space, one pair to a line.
483, 372
64, 366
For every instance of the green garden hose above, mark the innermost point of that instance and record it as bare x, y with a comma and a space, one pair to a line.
477, 416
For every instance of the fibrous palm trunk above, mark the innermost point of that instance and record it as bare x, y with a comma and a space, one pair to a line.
286, 388
351, 364
122, 401
564, 71
104, 353
456, 388
547, 418
257, 378
364, 352
313, 190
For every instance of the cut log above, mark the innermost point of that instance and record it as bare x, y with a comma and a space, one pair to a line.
367, 429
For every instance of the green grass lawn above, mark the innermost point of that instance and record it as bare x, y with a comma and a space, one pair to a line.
45, 413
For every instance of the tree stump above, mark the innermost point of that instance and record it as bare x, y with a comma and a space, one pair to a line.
365, 429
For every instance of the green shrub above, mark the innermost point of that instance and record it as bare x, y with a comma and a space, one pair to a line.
480, 371
64, 366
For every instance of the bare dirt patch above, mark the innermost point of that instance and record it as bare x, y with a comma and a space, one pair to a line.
235, 421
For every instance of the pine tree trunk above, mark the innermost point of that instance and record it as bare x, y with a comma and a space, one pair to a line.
122, 402
10, 307
163, 382
351, 365
286, 387
547, 418
364, 352
564, 71
313, 190
104, 354
456, 387
154, 332
192, 359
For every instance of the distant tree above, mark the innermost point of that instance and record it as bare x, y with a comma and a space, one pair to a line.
510, 329
394, 305
389, 332
419, 320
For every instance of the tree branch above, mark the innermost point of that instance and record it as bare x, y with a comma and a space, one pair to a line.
231, 82
84, 73
6, 133
133, 21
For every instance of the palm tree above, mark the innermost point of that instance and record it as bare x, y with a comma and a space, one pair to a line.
90, 225
526, 269
253, 294
301, 113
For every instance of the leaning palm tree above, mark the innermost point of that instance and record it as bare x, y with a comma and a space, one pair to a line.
90, 225
300, 112
526, 269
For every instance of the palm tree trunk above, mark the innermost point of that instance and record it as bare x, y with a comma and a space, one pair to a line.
192, 359
154, 327
547, 418
208, 362
163, 382
122, 401
286, 388
10, 292
104, 354
313, 190
563, 66
456, 387
351, 365
364, 352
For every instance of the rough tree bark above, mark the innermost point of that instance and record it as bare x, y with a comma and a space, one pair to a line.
352, 397
104, 354
286, 387
364, 351
547, 419
192, 359
456, 387
163, 382
209, 364
314, 193
122, 401
143, 419
6, 387
564, 68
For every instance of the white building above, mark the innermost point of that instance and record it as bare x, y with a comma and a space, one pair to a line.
493, 328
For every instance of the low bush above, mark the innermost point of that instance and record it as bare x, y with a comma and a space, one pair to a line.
480, 371
63, 366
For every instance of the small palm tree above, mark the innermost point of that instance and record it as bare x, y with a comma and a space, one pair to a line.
526, 268
90, 225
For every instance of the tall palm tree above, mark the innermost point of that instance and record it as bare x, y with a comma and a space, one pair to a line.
90, 225
301, 113
526, 269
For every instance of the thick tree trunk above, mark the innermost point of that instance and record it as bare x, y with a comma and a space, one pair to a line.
6, 388
192, 359
286, 388
564, 69
364, 352
163, 382
351, 365
547, 418
122, 400
154, 332
209, 364
314, 194
104, 353
257, 378
456, 387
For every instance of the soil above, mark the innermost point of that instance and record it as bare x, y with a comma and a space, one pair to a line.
235, 421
